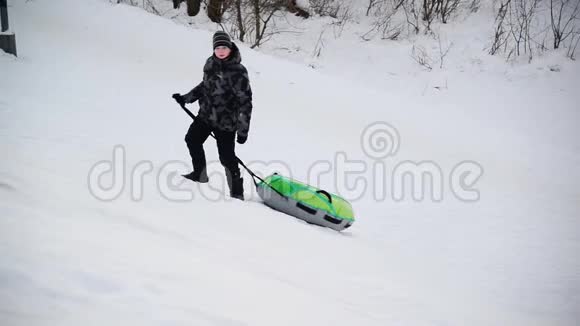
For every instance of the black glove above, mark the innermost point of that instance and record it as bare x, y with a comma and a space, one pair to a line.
178, 98
242, 139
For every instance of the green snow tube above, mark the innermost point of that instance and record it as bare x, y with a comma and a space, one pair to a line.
305, 202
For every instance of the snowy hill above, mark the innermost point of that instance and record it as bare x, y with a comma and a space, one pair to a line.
92, 76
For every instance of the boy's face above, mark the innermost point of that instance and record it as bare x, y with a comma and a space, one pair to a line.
222, 52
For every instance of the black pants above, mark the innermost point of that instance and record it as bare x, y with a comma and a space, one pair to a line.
198, 133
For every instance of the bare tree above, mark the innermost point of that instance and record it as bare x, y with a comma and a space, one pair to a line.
500, 38
370, 6
411, 14
443, 50
516, 27
329, 8
573, 45
264, 11
249, 20
421, 57
344, 17
521, 14
384, 23
430, 9
240, 20
446, 8
474, 5
215, 10
563, 16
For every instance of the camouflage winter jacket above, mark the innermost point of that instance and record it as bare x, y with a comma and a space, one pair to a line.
225, 96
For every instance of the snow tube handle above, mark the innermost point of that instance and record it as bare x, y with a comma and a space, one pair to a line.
325, 194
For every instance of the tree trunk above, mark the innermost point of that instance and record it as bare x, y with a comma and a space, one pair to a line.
240, 20
193, 7
257, 19
214, 10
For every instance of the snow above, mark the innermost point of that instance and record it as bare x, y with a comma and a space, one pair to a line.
304, 4
93, 75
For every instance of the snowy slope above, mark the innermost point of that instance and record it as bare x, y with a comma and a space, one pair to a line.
91, 76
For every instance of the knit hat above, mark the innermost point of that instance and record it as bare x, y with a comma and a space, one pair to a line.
221, 38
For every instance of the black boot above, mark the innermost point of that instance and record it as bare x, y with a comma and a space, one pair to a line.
236, 184
197, 175
237, 191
